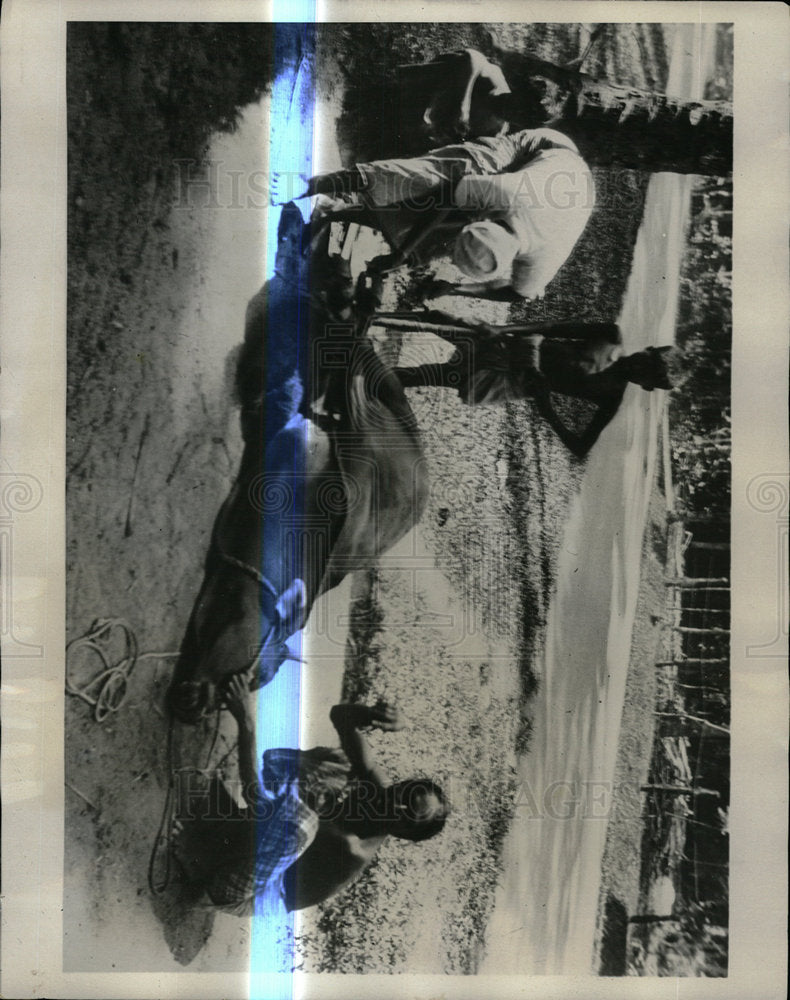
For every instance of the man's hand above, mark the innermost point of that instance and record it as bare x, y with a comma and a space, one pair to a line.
386, 717
434, 288
381, 716
237, 699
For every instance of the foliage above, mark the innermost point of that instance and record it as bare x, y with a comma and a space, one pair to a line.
719, 88
700, 413
171, 84
684, 947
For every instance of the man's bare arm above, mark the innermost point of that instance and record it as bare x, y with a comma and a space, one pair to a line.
348, 720
578, 444
332, 862
237, 699
476, 64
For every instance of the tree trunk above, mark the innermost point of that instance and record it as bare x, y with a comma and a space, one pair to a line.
712, 546
702, 723
681, 790
712, 630
652, 918
693, 663
689, 517
702, 611
616, 126
707, 693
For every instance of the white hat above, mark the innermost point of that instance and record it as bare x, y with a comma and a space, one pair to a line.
485, 250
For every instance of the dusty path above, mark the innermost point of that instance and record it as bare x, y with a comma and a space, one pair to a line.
156, 443
137, 539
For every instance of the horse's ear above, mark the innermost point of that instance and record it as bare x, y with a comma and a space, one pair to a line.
291, 606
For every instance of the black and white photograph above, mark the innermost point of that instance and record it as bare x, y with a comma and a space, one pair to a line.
398, 557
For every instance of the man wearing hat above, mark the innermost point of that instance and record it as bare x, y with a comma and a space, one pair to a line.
529, 196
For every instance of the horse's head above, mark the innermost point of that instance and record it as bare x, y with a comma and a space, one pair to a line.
234, 627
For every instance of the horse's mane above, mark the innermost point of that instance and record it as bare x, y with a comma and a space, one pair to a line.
282, 323
268, 385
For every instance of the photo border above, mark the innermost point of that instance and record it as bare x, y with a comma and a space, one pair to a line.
33, 296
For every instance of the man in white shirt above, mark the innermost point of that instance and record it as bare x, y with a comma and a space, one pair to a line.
532, 219
530, 195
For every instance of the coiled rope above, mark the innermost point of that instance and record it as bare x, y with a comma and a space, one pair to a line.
106, 691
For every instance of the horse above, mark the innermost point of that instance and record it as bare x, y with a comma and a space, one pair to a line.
331, 474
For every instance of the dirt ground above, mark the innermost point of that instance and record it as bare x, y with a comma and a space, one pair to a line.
157, 292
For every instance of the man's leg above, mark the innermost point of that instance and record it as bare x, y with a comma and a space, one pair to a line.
451, 329
575, 329
437, 376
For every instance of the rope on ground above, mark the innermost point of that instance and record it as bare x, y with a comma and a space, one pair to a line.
106, 691
163, 842
163, 839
